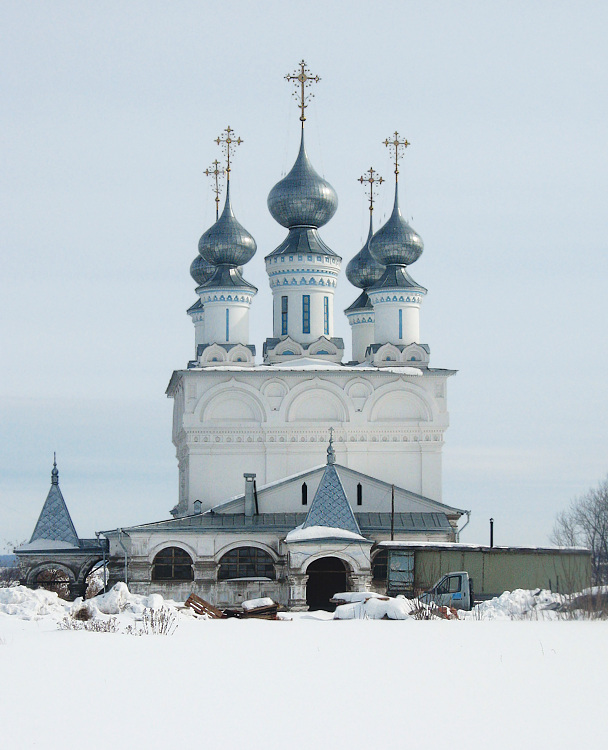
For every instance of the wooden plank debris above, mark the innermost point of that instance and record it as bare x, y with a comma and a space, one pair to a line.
202, 607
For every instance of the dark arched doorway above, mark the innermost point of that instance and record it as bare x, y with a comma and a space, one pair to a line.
326, 576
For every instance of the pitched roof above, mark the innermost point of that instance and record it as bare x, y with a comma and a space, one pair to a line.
330, 506
54, 522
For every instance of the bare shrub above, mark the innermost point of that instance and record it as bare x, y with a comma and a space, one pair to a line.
162, 621
95, 625
83, 614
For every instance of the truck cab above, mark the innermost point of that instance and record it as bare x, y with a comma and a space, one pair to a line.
451, 590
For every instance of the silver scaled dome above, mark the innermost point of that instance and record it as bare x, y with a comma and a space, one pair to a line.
200, 270
363, 270
227, 242
303, 197
396, 243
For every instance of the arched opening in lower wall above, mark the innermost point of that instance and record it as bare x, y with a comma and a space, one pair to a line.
53, 579
326, 576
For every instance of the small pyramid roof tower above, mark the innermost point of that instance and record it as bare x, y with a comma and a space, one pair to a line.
330, 506
54, 523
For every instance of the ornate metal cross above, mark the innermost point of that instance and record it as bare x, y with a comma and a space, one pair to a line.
371, 177
217, 173
227, 143
396, 144
303, 81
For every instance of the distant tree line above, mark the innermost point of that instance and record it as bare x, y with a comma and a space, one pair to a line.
585, 524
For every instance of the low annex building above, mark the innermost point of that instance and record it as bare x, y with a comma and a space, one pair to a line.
297, 540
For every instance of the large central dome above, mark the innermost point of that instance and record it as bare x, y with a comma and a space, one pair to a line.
303, 197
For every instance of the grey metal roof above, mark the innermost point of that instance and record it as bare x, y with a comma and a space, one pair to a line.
397, 277
368, 523
228, 277
54, 523
363, 302
330, 506
396, 242
364, 270
201, 270
227, 241
302, 197
424, 522
302, 241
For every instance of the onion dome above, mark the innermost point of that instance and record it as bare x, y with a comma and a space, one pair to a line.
396, 243
303, 197
363, 270
227, 242
200, 270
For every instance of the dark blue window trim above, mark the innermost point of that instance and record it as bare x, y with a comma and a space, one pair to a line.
306, 313
283, 316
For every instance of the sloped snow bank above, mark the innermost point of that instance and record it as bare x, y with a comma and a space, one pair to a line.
516, 605
119, 600
33, 604
30, 604
369, 606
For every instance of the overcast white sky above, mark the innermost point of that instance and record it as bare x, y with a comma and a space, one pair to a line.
108, 119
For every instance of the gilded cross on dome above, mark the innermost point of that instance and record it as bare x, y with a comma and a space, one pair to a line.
398, 146
227, 141
371, 177
217, 173
303, 81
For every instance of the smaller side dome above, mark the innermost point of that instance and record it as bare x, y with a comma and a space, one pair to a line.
363, 270
227, 242
396, 243
200, 270
303, 197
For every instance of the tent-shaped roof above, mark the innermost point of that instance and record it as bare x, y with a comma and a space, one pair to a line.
330, 506
54, 523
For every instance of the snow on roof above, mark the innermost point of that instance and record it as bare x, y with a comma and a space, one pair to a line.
462, 546
300, 534
46, 544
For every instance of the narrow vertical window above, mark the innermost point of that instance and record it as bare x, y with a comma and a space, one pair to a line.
326, 315
227, 324
359, 494
304, 493
306, 313
283, 316
400, 324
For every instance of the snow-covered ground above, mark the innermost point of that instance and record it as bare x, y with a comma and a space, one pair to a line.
312, 682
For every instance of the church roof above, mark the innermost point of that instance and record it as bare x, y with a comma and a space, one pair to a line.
330, 506
54, 523
283, 522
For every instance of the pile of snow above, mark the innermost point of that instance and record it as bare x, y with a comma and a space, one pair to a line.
33, 604
119, 600
516, 605
366, 605
29, 604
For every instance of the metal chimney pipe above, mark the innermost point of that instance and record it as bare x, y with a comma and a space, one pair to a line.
491, 532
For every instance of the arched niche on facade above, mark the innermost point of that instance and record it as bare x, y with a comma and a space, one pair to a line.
317, 404
236, 403
399, 406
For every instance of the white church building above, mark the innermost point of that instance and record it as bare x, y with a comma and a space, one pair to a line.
293, 468
268, 504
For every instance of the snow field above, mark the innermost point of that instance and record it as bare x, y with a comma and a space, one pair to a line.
311, 682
